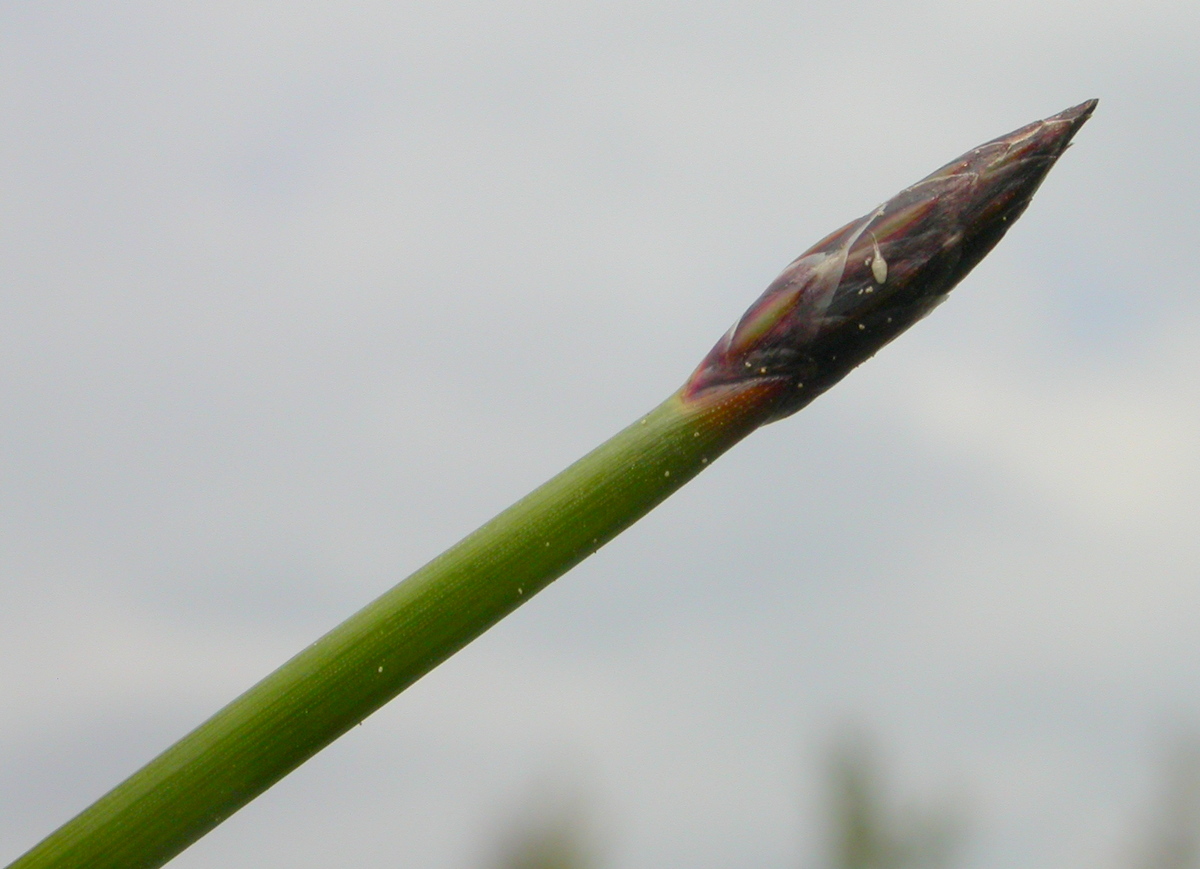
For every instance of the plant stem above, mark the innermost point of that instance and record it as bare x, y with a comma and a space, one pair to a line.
830, 310
367, 660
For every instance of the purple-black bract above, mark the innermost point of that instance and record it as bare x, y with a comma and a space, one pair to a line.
855, 290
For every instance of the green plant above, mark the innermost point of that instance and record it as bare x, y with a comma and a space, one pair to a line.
830, 310
866, 832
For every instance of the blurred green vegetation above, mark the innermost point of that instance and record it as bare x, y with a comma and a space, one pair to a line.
1171, 836
554, 845
868, 832
552, 836
868, 827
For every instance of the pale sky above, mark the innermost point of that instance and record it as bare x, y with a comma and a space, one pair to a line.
297, 294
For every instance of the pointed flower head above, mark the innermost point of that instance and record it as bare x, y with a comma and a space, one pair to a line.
855, 290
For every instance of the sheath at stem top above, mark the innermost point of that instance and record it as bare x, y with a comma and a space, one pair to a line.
857, 289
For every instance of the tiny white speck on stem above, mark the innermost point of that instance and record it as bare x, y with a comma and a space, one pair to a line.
878, 263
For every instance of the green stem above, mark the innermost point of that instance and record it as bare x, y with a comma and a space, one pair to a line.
831, 309
375, 654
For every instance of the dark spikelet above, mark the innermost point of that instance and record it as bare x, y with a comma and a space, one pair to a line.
860, 287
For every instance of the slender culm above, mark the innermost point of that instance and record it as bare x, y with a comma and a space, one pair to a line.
832, 308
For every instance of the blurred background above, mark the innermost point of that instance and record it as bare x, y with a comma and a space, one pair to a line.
294, 295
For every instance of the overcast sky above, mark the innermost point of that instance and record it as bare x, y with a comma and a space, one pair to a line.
294, 295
